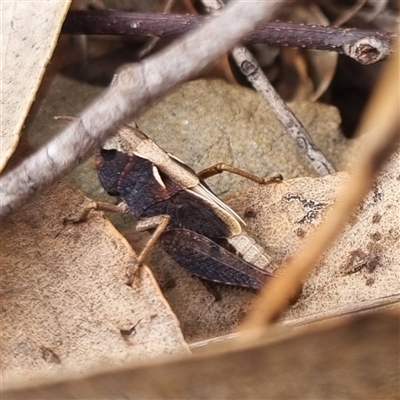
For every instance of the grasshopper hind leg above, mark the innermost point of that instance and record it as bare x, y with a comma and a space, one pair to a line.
222, 167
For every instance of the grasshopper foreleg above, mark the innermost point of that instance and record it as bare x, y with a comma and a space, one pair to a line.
159, 223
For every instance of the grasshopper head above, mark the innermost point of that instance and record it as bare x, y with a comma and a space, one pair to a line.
126, 140
115, 154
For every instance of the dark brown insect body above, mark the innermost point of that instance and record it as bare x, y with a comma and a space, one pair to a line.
198, 226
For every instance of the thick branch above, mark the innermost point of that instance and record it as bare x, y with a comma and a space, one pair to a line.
134, 87
364, 46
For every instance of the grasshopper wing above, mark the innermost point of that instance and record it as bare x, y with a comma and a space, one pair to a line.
206, 259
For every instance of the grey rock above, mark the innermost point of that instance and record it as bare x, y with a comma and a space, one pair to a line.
209, 121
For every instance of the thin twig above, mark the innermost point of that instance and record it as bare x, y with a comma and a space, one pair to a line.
378, 7
135, 86
364, 46
149, 46
382, 122
250, 68
349, 13
295, 129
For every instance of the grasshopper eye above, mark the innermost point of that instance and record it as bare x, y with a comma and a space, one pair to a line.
108, 155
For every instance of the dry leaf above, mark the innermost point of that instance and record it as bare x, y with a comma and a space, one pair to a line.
362, 264
65, 300
30, 31
353, 359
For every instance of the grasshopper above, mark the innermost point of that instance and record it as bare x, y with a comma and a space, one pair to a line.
194, 226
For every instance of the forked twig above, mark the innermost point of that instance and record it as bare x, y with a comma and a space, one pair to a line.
136, 85
382, 125
293, 127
